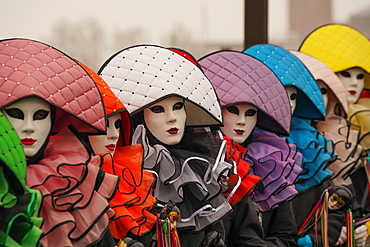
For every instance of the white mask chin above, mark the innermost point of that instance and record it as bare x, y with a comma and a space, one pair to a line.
353, 80
166, 120
324, 91
292, 95
31, 120
239, 121
107, 143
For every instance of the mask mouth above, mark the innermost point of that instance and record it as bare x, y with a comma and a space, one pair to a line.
173, 131
352, 92
111, 147
28, 141
239, 132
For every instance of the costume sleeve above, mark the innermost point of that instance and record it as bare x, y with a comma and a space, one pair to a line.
280, 226
242, 225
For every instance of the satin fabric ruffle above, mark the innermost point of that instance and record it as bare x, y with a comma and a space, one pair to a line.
235, 153
359, 117
19, 207
189, 179
317, 153
277, 163
76, 193
346, 147
132, 201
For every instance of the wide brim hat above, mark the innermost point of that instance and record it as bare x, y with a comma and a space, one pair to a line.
143, 75
30, 68
242, 79
341, 47
292, 72
320, 71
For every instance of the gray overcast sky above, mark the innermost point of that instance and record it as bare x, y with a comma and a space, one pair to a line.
217, 20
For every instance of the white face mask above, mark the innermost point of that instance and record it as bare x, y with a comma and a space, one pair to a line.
166, 120
353, 80
107, 143
31, 120
292, 95
324, 91
239, 121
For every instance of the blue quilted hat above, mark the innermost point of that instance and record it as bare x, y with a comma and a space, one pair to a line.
291, 71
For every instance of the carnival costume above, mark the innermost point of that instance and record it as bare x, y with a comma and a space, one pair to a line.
316, 149
192, 172
342, 47
132, 200
335, 127
19, 205
242, 79
75, 190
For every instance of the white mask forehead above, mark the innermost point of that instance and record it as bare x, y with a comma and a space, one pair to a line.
239, 121
31, 120
166, 120
324, 91
292, 95
353, 80
107, 143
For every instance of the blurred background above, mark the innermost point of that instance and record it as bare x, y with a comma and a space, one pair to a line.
93, 30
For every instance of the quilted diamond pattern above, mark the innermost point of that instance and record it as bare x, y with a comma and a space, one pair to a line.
144, 74
239, 78
291, 71
339, 46
320, 71
29, 68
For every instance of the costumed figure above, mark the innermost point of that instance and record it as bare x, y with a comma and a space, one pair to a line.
335, 127
347, 53
19, 205
46, 93
307, 105
255, 109
132, 200
168, 98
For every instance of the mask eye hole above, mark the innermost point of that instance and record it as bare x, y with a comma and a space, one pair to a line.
360, 76
40, 115
178, 106
323, 90
117, 124
157, 109
250, 113
345, 74
15, 113
293, 96
233, 109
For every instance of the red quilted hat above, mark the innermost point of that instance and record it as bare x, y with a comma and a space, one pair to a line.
31, 68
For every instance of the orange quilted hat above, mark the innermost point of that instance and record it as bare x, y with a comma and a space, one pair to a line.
112, 106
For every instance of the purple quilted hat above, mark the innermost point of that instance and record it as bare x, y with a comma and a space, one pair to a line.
145, 74
239, 78
31, 68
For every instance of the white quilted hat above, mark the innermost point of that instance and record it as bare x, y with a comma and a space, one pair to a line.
143, 75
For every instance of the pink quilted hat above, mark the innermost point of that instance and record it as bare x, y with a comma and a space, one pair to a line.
321, 71
145, 74
31, 68
239, 78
